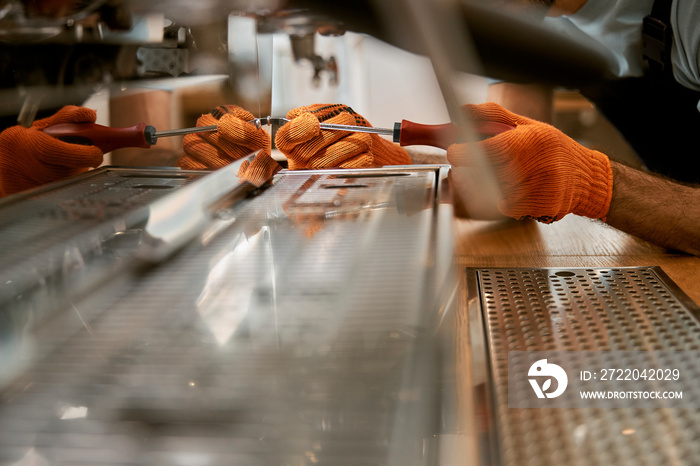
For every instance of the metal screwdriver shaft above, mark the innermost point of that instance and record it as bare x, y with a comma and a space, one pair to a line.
180, 132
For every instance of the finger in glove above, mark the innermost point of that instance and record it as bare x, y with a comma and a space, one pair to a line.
260, 170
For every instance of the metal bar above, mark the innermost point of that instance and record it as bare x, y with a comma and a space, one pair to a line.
279, 121
358, 129
179, 132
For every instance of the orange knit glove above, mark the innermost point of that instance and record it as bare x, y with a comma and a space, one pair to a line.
543, 173
234, 138
307, 147
30, 158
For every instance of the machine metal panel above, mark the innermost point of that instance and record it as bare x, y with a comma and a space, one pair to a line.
610, 313
298, 328
35, 221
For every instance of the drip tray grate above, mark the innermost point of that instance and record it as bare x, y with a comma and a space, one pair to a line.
580, 313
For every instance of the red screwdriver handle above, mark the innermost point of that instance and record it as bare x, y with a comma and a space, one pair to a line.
104, 137
442, 136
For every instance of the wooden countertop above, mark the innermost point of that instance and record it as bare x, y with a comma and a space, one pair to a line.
571, 242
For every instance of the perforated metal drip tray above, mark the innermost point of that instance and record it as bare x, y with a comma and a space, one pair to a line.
582, 315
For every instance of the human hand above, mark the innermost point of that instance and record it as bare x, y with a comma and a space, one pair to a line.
234, 138
307, 147
543, 174
30, 158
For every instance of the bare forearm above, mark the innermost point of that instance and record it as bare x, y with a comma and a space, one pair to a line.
655, 209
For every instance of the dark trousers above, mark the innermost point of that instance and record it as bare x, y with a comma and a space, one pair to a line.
660, 120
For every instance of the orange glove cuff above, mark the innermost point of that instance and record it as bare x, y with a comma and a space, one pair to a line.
543, 173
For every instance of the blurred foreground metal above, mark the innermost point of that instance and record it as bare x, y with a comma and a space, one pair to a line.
299, 326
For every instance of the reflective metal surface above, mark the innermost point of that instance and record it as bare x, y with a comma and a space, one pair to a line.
578, 312
60, 239
298, 327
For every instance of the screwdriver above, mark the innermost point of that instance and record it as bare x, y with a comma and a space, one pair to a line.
405, 133
408, 133
108, 138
